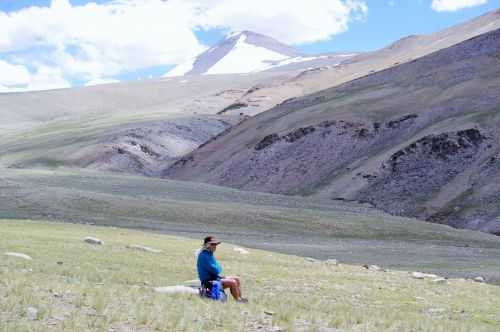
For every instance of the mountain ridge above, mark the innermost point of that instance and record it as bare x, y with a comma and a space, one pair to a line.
247, 51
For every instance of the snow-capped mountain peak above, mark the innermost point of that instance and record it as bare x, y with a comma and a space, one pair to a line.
239, 52
247, 52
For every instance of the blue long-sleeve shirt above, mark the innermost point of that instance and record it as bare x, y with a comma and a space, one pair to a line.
208, 267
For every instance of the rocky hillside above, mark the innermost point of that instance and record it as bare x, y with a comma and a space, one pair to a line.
320, 77
142, 148
419, 139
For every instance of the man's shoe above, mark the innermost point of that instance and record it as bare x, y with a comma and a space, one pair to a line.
242, 300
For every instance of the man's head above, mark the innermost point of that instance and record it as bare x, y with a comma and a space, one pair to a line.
211, 243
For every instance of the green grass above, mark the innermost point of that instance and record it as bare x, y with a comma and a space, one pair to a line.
110, 287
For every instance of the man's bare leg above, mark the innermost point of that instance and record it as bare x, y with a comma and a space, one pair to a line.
238, 282
233, 287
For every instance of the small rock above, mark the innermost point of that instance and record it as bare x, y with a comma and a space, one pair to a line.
60, 263
32, 313
373, 267
420, 275
310, 260
439, 281
144, 248
93, 241
18, 255
479, 279
332, 262
241, 250
269, 313
437, 310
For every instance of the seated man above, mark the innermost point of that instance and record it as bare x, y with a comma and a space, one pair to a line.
209, 269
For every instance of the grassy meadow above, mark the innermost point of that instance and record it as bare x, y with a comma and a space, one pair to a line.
79, 287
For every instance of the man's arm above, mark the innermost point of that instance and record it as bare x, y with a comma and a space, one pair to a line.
214, 267
210, 265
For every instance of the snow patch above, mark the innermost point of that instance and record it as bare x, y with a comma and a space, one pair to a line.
181, 69
293, 60
245, 58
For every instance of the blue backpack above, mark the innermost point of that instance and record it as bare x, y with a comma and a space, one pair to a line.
214, 291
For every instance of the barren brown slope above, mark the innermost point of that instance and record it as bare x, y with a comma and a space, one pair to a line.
402, 51
404, 139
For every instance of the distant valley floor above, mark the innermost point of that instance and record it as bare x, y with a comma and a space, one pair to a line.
350, 233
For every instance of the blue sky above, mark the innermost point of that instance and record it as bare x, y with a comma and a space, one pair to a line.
389, 21
61, 43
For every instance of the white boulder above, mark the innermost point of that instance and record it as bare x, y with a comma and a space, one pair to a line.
373, 268
241, 250
144, 248
332, 262
479, 279
93, 241
18, 255
176, 290
420, 275
439, 281
32, 313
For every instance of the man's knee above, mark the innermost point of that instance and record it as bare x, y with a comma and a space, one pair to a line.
229, 283
237, 279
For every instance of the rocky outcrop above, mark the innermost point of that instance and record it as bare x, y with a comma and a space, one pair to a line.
413, 175
294, 161
289, 138
232, 107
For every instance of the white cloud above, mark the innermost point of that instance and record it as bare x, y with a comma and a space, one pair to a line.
45, 78
66, 42
454, 5
294, 22
11, 74
96, 40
